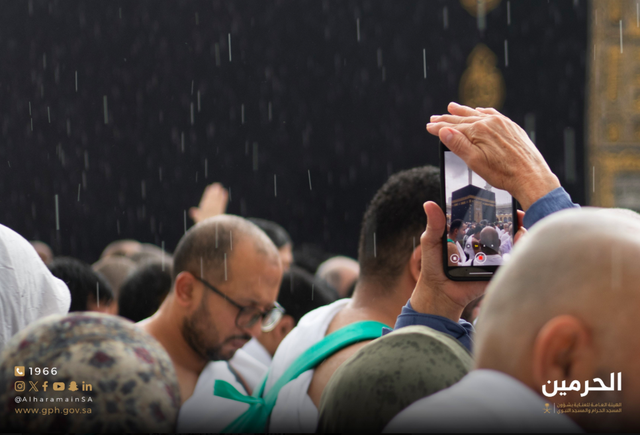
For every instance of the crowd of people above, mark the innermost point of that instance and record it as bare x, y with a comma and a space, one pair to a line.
232, 333
468, 239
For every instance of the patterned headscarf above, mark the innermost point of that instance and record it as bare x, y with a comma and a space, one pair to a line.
133, 385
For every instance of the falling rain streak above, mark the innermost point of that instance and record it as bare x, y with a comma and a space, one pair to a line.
49, 114
445, 18
57, 215
506, 53
163, 255
106, 113
620, 36
192, 115
309, 173
358, 28
79, 192
275, 186
508, 13
424, 61
374, 245
76, 81
242, 113
198, 101
225, 267
229, 47
206, 168
98, 293
231, 240
185, 221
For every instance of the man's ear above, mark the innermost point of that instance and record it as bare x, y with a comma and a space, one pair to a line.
415, 263
563, 350
184, 288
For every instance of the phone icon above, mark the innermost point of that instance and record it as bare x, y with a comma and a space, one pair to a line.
18, 370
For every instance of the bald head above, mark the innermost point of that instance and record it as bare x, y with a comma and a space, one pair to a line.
582, 263
206, 245
340, 272
490, 240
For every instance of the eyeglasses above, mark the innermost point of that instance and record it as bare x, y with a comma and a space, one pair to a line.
249, 315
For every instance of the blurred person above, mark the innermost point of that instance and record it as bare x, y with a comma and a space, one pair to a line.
280, 237
310, 256
115, 269
490, 246
89, 290
28, 291
454, 235
226, 276
300, 292
388, 273
144, 291
44, 251
389, 374
340, 272
124, 248
574, 325
116, 378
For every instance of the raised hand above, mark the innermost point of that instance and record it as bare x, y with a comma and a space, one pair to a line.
213, 202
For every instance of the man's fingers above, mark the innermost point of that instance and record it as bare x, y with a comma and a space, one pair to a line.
457, 143
436, 224
520, 219
458, 109
521, 232
193, 213
488, 111
454, 119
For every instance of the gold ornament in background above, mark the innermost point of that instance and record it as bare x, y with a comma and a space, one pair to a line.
472, 5
482, 84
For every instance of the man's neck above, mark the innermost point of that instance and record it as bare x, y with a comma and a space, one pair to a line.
386, 301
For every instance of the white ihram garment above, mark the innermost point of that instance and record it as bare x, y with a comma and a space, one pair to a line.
294, 410
28, 291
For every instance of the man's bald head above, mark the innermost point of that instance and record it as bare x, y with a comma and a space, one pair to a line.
204, 248
579, 267
490, 240
340, 272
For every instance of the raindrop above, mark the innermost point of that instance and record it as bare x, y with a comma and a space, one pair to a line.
198, 101
31, 124
49, 114
86, 160
242, 113
309, 173
231, 239
275, 186
98, 293
57, 215
182, 141
197, 19
143, 188
229, 47
380, 56
192, 87
225, 266
118, 225
374, 245
106, 113
76, 80
192, 116
79, 192
358, 28
620, 36
185, 221
163, 255
29, 108
508, 13
506, 53
424, 61
445, 17
120, 12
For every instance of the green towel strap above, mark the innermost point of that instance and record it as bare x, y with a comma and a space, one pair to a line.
256, 417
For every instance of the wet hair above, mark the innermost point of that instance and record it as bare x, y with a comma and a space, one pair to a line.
301, 292
455, 225
394, 221
278, 235
144, 291
207, 245
84, 284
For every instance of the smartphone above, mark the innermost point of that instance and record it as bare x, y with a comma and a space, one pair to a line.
481, 222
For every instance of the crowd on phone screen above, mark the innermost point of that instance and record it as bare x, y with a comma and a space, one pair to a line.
470, 240
241, 330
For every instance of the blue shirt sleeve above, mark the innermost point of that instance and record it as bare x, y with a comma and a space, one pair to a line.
461, 331
556, 200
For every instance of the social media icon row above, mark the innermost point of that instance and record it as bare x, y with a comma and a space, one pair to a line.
21, 386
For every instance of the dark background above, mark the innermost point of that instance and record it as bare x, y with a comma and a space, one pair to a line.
333, 114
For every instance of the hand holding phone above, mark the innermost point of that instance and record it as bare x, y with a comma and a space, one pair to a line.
497, 149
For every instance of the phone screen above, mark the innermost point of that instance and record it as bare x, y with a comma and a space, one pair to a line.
480, 222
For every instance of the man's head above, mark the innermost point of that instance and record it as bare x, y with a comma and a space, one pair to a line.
144, 291
115, 269
300, 292
89, 290
44, 251
455, 229
243, 266
280, 237
125, 248
489, 241
340, 272
571, 292
393, 223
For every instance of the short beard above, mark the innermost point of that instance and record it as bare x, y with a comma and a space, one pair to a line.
192, 332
